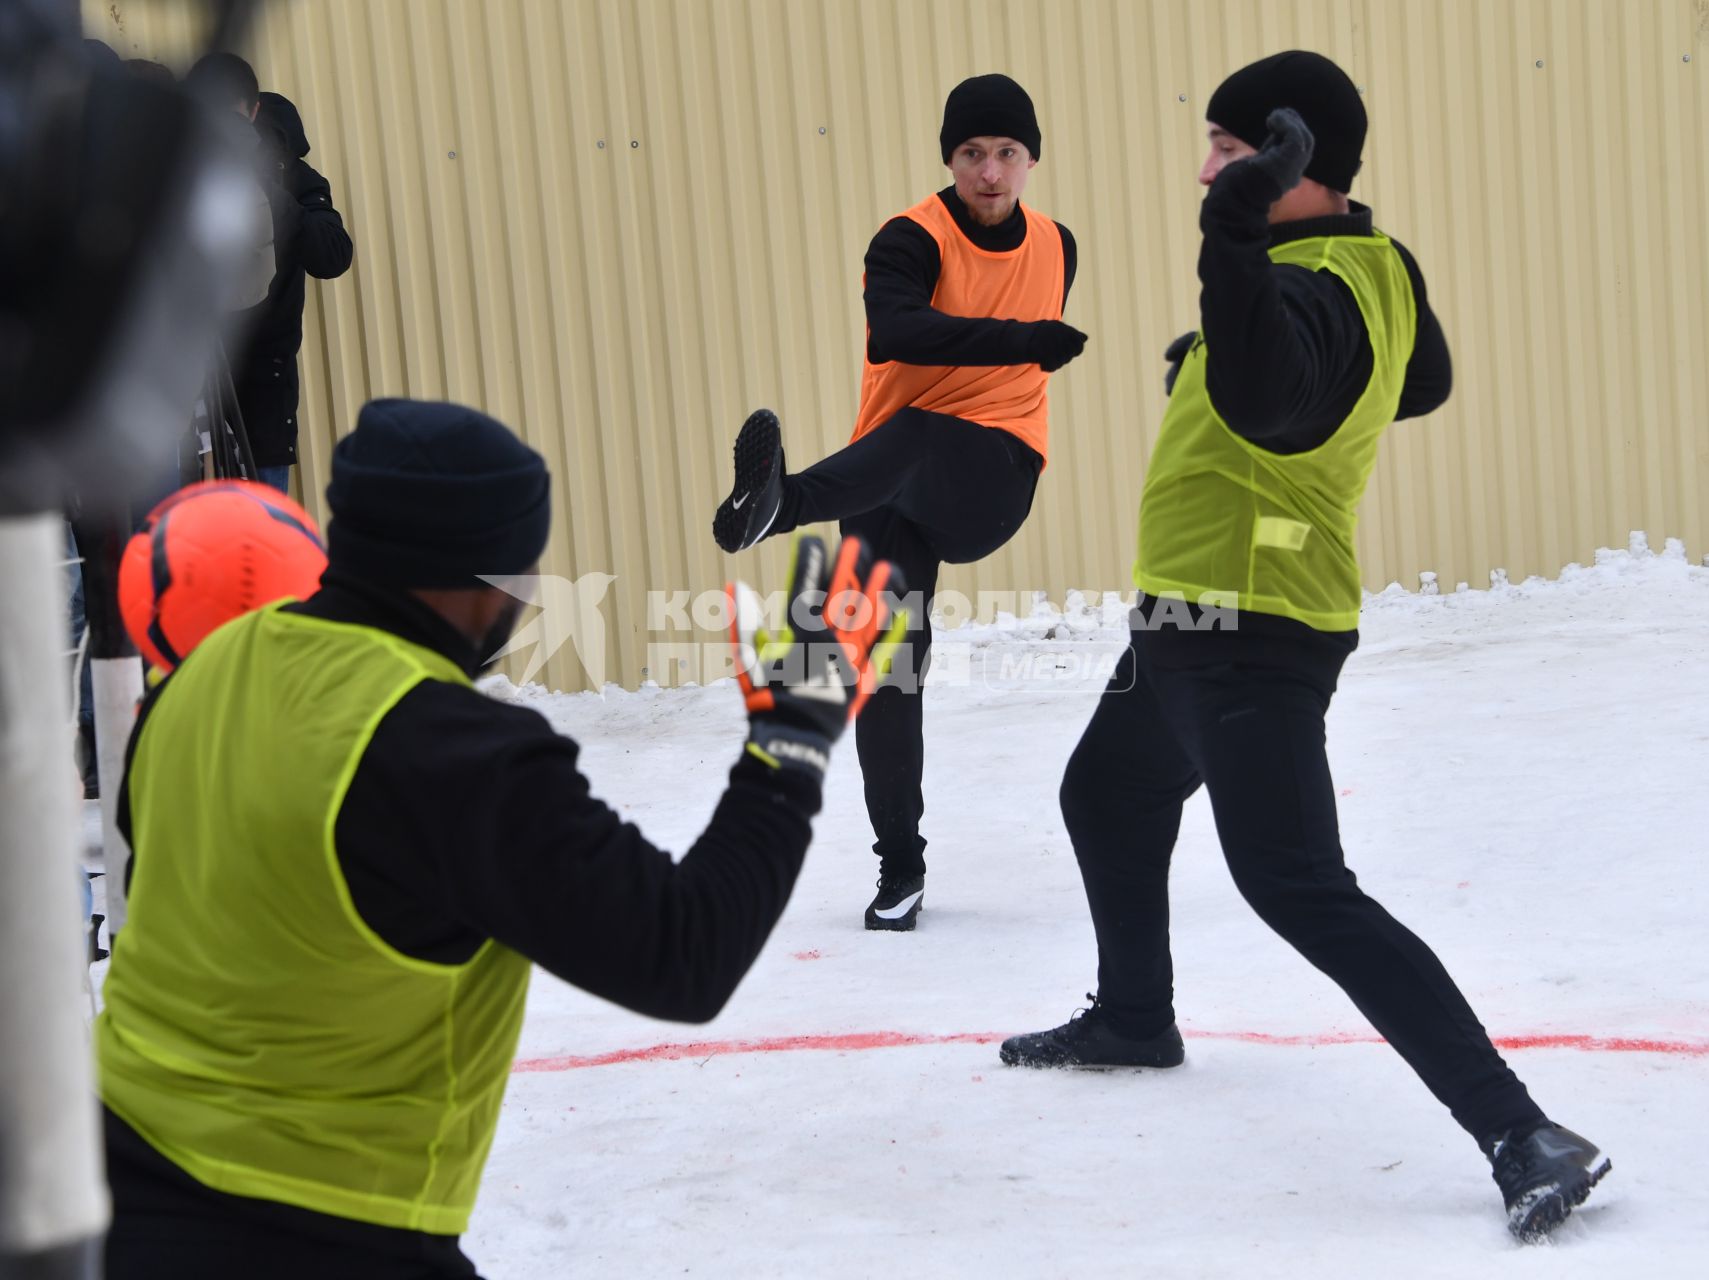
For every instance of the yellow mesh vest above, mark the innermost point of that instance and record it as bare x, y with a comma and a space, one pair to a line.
256, 1032
1226, 522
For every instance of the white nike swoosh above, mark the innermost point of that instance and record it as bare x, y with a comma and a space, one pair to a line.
737, 504
901, 909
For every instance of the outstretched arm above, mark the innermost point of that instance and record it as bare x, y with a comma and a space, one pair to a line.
469, 820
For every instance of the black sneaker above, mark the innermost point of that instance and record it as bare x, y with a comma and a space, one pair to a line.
747, 514
1544, 1174
1090, 1039
898, 903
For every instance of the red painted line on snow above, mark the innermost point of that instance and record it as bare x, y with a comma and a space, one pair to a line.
860, 1040
772, 1044
1583, 1043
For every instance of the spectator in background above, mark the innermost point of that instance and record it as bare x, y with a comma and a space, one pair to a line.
100, 53
309, 239
225, 81
149, 70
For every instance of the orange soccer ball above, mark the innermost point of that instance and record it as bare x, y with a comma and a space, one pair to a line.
210, 553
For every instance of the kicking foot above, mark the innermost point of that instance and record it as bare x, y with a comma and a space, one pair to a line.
747, 514
1544, 1174
1090, 1039
898, 903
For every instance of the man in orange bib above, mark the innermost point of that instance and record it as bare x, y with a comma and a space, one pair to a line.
964, 296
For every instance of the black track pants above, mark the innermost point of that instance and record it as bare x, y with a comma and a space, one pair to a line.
1253, 735
923, 490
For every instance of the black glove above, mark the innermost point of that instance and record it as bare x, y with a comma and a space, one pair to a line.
1052, 344
806, 684
1175, 353
1287, 151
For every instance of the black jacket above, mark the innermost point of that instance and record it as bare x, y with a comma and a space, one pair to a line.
308, 240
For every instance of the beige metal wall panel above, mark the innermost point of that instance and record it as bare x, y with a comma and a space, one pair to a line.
620, 225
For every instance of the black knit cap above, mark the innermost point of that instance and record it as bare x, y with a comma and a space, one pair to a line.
991, 106
429, 494
1313, 86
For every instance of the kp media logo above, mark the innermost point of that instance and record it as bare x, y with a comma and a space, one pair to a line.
569, 613
1028, 647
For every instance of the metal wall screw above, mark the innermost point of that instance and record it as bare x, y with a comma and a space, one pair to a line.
821, 129
633, 145
1180, 97
1539, 63
450, 155
601, 144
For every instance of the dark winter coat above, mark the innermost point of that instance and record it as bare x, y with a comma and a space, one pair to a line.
309, 240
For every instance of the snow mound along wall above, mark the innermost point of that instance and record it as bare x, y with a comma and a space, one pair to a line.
1101, 618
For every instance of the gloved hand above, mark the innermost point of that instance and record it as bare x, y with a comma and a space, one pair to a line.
1287, 151
1175, 353
1052, 344
806, 684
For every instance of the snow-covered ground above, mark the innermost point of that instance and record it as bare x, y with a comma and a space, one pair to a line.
1521, 780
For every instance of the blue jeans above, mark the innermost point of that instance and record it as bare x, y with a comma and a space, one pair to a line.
277, 477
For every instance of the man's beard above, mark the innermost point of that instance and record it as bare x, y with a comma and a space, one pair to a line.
989, 218
497, 634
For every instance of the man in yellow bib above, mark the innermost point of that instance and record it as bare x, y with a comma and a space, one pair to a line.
964, 297
1315, 334
346, 858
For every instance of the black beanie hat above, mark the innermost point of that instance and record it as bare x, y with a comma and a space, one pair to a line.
1313, 86
991, 106
428, 494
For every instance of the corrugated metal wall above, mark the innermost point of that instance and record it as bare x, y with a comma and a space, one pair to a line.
621, 224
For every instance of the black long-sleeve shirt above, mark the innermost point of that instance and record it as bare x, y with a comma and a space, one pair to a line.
1289, 355
468, 819
902, 266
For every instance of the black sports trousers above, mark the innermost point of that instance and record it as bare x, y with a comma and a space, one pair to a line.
924, 490
1246, 721
168, 1226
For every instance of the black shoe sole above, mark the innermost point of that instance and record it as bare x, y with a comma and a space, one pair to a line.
904, 925
1009, 1059
759, 460
1553, 1208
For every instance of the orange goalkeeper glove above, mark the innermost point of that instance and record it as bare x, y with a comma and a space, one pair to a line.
807, 682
